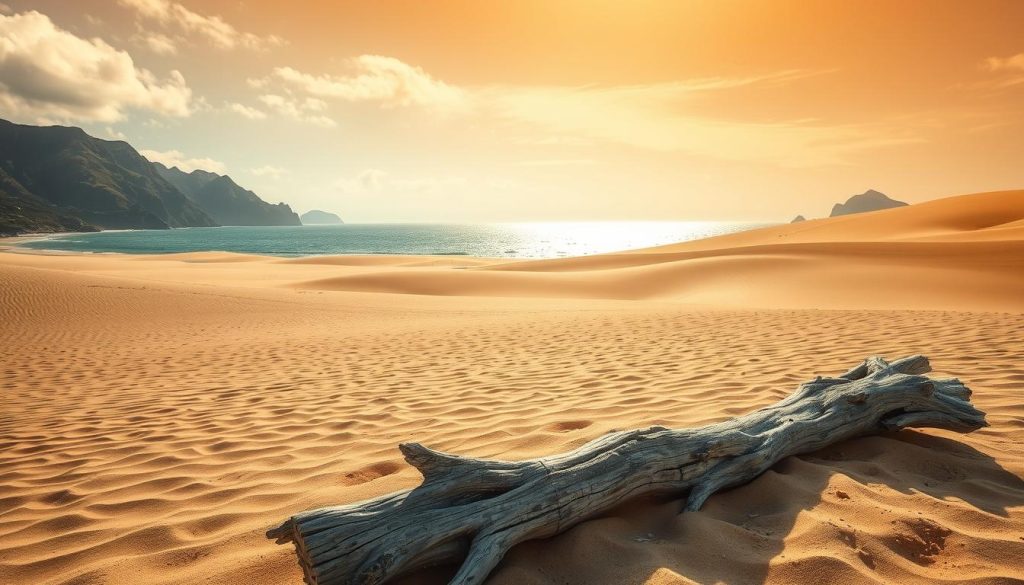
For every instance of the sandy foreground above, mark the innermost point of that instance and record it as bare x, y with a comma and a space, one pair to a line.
159, 413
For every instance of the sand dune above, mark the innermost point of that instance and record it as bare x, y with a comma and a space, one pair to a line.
161, 412
957, 253
839, 275
959, 218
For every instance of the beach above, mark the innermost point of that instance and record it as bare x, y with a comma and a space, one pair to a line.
162, 412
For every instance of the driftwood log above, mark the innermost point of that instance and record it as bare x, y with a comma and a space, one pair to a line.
475, 510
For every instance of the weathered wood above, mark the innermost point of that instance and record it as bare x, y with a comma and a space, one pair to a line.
475, 510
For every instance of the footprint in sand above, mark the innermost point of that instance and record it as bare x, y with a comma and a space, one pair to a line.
919, 541
566, 426
371, 472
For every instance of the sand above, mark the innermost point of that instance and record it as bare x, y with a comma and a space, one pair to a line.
159, 413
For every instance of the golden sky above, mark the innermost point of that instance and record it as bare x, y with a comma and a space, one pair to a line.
517, 111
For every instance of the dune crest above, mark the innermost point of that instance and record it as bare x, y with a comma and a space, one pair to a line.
957, 253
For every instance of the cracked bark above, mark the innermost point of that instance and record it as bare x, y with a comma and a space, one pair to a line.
475, 510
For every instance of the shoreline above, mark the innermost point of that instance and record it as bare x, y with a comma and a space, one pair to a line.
536, 247
954, 254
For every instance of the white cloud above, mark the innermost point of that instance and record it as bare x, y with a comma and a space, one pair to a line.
258, 82
1008, 71
269, 171
214, 28
303, 110
114, 134
384, 80
247, 111
176, 158
158, 43
49, 73
1012, 63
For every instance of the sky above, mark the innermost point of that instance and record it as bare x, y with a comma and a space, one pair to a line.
534, 110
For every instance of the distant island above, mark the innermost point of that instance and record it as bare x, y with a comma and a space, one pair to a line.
318, 217
869, 200
58, 178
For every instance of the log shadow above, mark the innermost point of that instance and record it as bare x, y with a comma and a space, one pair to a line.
738, 537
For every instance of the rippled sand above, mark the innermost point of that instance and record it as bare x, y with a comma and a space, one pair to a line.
160, 413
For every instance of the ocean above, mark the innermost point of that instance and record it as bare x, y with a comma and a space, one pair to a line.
508, 240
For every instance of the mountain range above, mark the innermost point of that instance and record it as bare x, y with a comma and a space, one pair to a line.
223, 200
57, 178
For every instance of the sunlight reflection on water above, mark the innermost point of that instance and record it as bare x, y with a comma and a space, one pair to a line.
509, 240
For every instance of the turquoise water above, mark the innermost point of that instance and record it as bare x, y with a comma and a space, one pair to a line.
520, 240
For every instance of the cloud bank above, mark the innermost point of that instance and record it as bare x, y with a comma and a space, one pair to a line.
214, 29
657, 116
308, 110
48, 74
384, 80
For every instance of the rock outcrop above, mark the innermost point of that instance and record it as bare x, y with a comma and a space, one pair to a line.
869, 200
318, 217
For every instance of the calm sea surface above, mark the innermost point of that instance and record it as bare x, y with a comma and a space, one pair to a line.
511, 240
